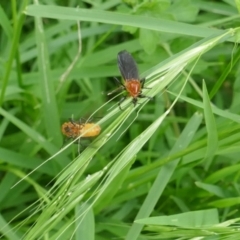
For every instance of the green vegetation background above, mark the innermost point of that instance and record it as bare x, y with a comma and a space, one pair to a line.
168, 168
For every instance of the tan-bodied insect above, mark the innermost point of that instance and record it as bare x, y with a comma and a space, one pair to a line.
73, 129
132, 83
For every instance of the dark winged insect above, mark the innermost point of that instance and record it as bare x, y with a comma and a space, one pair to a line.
132, 83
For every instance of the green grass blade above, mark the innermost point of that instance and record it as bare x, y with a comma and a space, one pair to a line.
5, 24
226, 202
29, 131
78, 14
223, 113
12, 54
194, 219
212, 144
87, 226
8, 231
49, 105
222, 173
225, 73
213, 189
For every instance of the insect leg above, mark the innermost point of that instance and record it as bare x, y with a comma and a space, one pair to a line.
83, 120
116, 90
134, 101
142, 81
144, 96
72, 121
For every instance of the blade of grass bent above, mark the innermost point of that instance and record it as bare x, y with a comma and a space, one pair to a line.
164, 175
123, 19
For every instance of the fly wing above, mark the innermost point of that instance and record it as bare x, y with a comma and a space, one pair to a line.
127, 66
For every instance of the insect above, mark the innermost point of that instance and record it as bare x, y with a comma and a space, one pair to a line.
73, 129
132, 83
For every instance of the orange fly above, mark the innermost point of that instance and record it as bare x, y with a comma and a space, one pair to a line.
73, 129
132, 83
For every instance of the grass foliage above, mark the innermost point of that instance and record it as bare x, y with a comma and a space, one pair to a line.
165, 169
